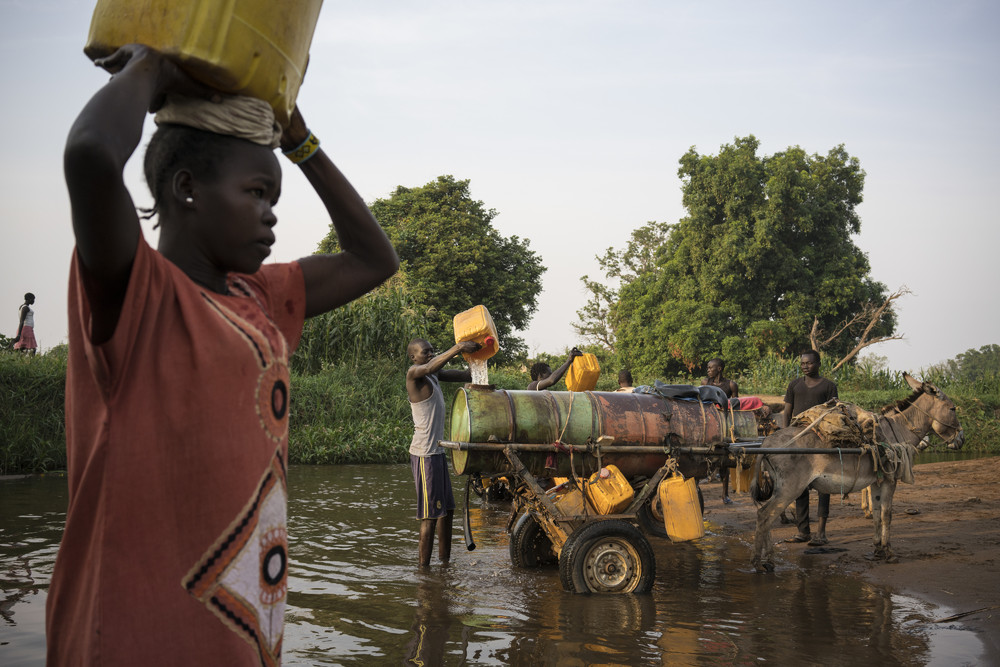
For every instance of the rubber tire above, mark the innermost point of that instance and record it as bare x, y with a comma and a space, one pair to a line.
529, 546
615, 543
650, 515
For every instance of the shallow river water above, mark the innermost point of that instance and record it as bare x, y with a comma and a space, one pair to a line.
356, 596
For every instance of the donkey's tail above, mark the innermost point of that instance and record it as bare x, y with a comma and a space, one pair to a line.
761, 482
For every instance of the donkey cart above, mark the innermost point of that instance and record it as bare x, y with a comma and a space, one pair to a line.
585, 470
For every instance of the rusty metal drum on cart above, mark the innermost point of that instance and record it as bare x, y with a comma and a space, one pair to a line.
482, 415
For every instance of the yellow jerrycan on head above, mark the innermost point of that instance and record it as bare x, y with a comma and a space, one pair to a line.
258, 48
476, 324
681, 509
583, 373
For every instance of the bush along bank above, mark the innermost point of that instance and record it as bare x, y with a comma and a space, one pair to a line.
357, 412
32, 424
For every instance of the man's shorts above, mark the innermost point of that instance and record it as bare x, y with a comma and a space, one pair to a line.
430, 475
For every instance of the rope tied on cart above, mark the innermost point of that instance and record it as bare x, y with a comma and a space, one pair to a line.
672, 467
893, 460
550, 461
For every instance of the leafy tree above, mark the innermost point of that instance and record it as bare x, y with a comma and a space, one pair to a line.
982, 364
764, 253
975, 368
452, 258
639, 256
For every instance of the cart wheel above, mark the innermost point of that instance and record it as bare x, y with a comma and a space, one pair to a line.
650, 515
530, 547
608, 556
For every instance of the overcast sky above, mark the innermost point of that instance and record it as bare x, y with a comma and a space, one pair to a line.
569, 119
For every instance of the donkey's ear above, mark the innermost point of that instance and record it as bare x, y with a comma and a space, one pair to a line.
915, 385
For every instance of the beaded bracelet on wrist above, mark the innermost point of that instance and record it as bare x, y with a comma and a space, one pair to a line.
303, 151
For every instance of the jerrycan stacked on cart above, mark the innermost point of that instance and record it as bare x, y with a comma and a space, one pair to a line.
583, 373
258, 48
605, 492
568, 497
476, 324
681, 509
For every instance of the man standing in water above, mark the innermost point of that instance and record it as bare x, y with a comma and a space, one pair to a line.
803, 393
435, 502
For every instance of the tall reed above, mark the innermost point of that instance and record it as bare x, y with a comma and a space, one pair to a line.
376, 326
32, 427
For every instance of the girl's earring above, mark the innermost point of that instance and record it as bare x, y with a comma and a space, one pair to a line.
189, 200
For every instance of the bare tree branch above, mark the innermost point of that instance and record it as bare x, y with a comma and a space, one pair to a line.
872, 314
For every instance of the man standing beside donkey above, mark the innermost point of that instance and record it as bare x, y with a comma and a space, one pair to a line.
803, 393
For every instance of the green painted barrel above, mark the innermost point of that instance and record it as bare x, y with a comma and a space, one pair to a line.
580, 418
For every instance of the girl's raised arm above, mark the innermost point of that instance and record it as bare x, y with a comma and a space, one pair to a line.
367, 258
102, 139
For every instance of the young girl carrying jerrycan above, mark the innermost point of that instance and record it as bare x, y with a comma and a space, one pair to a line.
175, 550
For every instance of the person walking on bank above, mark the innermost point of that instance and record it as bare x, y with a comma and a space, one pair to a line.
25, 338
435, 501
803, 393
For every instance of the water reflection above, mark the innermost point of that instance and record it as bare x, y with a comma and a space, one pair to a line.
357, 597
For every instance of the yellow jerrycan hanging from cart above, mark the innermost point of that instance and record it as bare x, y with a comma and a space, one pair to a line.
258, 48
681, 510
608, 491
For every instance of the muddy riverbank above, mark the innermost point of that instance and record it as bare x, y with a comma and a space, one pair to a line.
945, 530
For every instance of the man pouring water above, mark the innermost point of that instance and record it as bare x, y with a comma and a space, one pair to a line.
435, 501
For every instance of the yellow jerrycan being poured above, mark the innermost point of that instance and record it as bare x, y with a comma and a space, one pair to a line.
258, 48
583, 373
681, 510
476, 324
